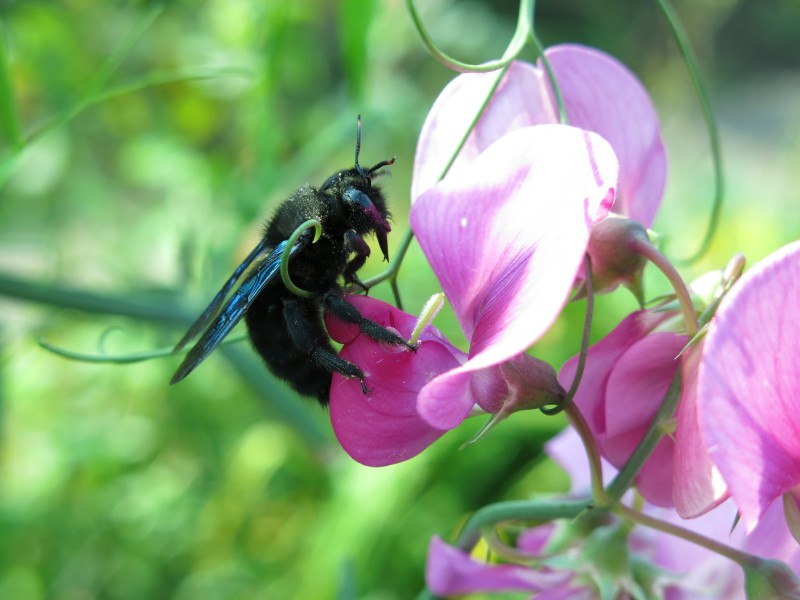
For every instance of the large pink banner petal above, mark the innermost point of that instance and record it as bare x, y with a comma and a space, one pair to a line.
600, 95
505, 236
749, 384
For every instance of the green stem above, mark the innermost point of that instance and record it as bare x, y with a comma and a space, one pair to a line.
551, 76
592, 453
573, 414
122, 359
515, 510
646, 249
515, 46
518, 510
682, 40
739, 557
287, 280
587, 329
644, 449
394, 267
161, 310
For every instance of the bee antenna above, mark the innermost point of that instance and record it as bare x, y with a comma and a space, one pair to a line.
383, 163
358, 148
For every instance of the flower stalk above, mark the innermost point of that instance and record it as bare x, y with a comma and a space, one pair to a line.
515, 46
634, 516
682, 293
685, 49
652, 436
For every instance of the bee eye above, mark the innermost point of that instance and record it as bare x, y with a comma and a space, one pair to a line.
358, 198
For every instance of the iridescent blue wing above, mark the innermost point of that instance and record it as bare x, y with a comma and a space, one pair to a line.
212, 309
233, 311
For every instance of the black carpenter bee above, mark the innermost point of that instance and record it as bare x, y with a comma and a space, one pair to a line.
287, 329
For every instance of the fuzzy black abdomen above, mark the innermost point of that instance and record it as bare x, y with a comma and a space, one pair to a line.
267, 326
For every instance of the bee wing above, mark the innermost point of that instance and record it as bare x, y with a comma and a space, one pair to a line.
233, 311
212, 309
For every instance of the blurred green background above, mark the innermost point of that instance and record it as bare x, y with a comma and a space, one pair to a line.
143, 145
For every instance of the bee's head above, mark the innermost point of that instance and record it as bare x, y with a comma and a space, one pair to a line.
366, 201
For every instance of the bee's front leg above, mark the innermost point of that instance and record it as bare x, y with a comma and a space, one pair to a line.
355, 244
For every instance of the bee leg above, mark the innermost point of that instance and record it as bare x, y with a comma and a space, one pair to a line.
309, 337
332, 363
344, 311
357, 245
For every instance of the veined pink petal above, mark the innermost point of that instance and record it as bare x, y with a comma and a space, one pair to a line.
450, 572
522, 99
749, 384
382, 427
634, 392
600, 95
505, 237
602, 357
697, 485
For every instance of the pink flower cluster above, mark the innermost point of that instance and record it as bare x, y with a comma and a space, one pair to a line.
677, 569
506, 231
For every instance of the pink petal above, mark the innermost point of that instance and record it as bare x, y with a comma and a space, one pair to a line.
600, 95
505, 237
591, 396
450, 571
634, 392
522, 99
382, 427
749, 384
697, 485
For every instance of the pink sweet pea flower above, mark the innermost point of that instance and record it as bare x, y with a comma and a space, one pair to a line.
748, 394
600, 95
505, 234
383, 426
505, 237
626, 377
